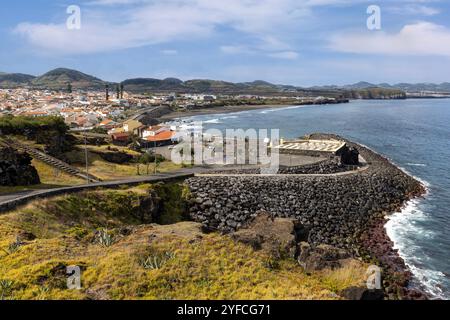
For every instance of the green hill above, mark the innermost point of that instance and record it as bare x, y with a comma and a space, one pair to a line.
61, 77
14, 80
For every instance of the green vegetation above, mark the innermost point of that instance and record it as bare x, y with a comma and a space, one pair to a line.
30, 126
135, 261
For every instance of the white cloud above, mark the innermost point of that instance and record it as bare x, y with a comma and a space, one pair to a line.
414, 9
169, 52
422, 38
119, 24
289, 55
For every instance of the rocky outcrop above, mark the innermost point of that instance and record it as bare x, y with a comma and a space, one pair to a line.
16, 168
320, 257
276, 236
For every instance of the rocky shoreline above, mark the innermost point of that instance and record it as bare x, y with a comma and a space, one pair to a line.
347, 212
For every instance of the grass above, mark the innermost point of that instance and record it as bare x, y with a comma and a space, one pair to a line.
53, 178
50, 178
175, 261
111, 171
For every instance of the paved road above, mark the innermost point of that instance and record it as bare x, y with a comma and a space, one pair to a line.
11, 196
11, 201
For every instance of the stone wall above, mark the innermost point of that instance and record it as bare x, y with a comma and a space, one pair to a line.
329, 166
337, 209
16, 168
345, 211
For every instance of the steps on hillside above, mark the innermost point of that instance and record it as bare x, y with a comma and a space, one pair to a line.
51, 161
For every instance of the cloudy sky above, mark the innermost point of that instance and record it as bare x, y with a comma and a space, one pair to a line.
299, 42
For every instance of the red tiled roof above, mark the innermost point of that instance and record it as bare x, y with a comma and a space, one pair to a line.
163, 136
120, 136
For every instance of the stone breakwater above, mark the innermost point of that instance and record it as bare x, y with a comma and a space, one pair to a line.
347, 211
328, 166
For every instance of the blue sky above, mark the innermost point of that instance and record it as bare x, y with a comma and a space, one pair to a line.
299, 42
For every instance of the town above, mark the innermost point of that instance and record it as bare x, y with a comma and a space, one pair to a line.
122, 114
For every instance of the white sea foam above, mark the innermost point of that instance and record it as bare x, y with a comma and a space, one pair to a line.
214, 121
287, 108
416, 164
229, 117
402, 228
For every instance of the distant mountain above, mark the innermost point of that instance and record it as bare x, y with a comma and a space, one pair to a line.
61, 77
443, 87
407, 87
150, 84
13, 80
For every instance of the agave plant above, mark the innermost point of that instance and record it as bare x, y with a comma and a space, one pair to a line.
105, 238
13, 247
157, 261
5, 289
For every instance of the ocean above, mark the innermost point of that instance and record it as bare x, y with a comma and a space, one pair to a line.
413, 134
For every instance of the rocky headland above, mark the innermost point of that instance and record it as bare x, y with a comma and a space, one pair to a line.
343, 211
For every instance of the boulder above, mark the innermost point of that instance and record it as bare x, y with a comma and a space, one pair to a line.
276, 236
320, 257
16, 168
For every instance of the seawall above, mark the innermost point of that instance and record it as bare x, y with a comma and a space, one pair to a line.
346, 211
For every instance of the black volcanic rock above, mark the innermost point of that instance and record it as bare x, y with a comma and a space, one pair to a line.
16, 168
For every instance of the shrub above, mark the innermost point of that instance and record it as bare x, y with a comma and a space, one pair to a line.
105, 238
155, 261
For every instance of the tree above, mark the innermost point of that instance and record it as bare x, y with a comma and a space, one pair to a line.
117, 92
146, 159
69, 87
121, 90
158, 161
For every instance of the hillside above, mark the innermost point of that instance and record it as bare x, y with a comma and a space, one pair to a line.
112, 236
13, 80
61, 77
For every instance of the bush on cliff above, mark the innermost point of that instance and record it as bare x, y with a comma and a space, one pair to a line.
50, 131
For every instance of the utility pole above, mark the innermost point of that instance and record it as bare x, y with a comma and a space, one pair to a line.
107, 92
86, 158
154, 154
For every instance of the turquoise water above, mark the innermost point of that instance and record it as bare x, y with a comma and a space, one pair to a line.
415, 135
